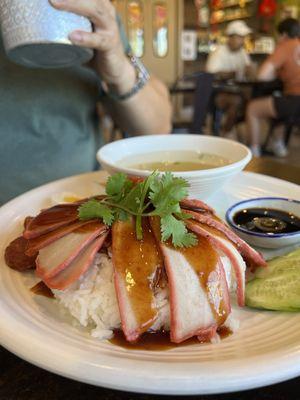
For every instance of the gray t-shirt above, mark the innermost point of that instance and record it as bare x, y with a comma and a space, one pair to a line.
48, 125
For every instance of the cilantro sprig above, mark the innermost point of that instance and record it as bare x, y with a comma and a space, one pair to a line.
155, 196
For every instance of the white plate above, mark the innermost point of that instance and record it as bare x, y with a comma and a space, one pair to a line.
265, 350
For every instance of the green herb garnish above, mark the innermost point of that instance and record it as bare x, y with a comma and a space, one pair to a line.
155, 196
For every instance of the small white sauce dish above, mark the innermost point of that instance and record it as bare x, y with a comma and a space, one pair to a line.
203, 183
265, 240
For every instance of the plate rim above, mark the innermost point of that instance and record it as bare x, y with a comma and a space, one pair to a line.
290, 360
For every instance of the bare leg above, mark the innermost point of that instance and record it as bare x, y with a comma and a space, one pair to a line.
256, 111
231, 104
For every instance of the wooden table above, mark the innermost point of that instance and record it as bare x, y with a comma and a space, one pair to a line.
281, 170
233, 85
20, 380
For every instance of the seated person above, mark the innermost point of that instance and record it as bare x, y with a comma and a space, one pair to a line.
284, 63
231, 61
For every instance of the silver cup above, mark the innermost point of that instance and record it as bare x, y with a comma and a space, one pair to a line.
36, 35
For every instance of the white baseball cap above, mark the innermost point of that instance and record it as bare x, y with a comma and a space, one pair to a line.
238, 27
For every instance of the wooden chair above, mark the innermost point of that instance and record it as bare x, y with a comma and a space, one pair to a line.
289, 124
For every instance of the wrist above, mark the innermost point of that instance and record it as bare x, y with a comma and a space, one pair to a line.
134, 78
125, 80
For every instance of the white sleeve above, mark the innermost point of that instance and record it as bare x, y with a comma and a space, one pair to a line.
214, 62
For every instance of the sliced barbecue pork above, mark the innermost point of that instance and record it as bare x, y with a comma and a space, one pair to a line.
224, 247
196, 205
16, 257
58, 255
199, 295
77, 267
36, 244
136, 263
50, 219
246, 251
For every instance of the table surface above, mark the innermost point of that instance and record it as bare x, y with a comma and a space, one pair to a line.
189, 86
21, 380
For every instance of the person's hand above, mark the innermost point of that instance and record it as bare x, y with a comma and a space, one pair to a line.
111, 62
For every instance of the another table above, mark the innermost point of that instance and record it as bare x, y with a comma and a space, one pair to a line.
276, 169
20, 380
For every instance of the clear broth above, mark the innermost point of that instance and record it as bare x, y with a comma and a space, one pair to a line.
177, 161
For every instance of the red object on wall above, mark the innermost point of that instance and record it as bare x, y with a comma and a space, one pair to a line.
267, 8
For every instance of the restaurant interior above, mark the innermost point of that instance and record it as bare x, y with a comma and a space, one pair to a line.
174, 39
71, 243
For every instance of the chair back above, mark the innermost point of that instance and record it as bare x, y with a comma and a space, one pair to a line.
203, 92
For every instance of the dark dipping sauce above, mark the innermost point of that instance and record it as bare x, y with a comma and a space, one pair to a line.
267, 220
159, 341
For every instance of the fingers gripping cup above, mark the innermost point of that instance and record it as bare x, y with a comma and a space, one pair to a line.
36, 35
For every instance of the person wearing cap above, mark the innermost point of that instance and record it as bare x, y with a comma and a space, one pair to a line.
231, 61
284, 64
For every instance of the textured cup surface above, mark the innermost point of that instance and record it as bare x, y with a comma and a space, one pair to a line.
36, 35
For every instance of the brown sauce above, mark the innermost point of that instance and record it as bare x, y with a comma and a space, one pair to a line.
137, 262
41, 289
205, 261
159, 341
203, 258
214, 231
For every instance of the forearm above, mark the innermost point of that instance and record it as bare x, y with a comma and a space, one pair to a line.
266, 72
146, 112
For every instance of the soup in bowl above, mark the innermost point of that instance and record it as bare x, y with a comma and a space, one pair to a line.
206, 162
175, 161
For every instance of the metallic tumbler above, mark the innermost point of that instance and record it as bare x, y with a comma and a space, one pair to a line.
36, 35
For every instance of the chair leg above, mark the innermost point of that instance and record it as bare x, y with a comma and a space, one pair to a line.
217, 118
269, 135
288, 132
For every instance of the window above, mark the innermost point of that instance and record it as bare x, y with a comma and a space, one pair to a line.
160, 29
135, 21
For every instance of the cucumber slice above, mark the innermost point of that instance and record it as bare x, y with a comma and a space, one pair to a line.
278, 263
276, 287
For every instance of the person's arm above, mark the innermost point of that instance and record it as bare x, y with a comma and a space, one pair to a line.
268, 70
146, 112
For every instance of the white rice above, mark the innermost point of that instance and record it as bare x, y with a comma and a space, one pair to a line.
93, 303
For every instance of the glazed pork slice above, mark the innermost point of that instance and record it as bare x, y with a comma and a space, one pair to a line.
136, 264
50, 219
225, 248
199, 295
77, 267
251, 255
36, 244
58, 255
196, 205
15, 255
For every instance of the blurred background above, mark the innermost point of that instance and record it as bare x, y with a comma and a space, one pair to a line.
174, 39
